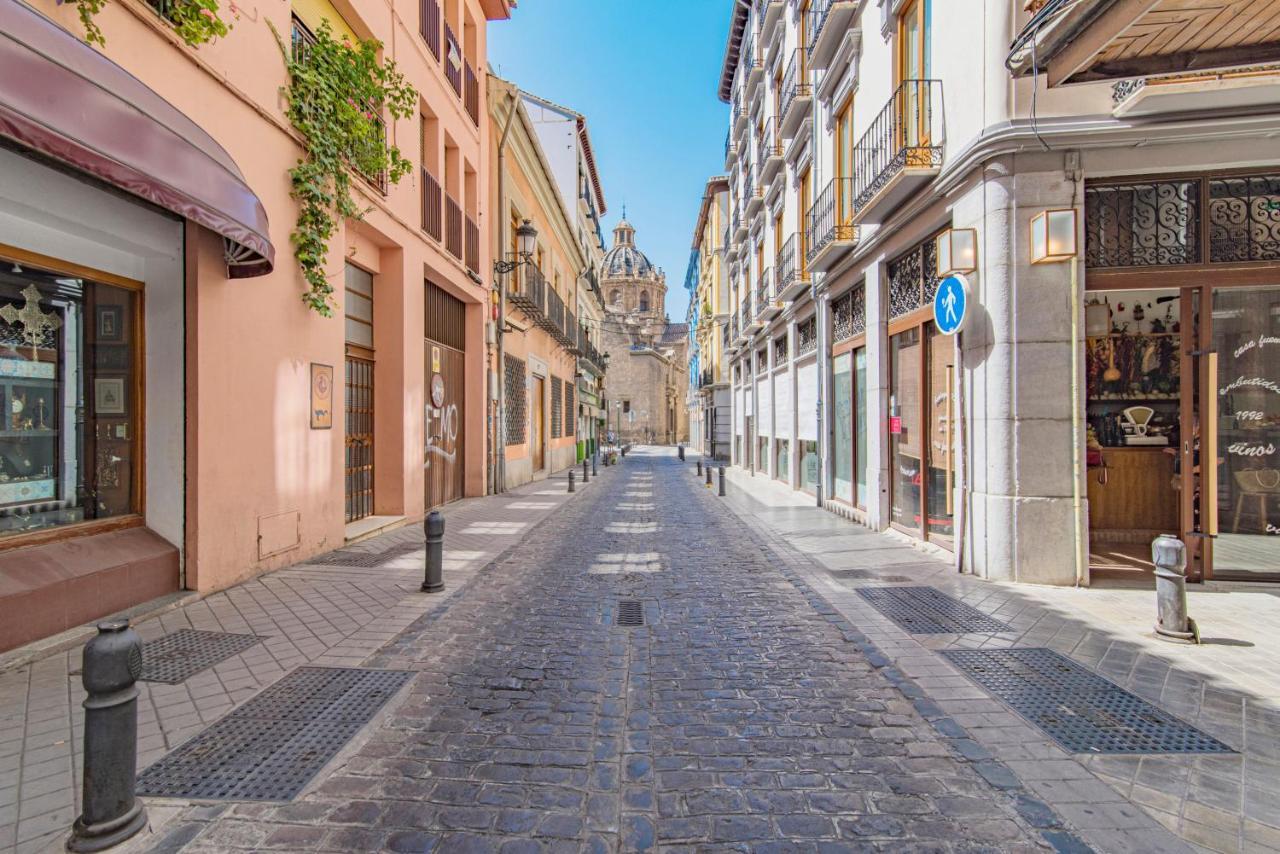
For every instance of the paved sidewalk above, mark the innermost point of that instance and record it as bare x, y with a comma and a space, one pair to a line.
1227, 687
309, 613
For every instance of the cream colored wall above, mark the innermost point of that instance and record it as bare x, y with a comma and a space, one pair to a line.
255, 466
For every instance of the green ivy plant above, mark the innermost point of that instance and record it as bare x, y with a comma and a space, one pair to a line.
195, 21
336, 96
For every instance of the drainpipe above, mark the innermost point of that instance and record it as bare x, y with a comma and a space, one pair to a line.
500, 451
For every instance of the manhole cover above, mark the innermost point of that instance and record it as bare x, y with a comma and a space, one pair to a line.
927, 611
1077, 708
343, 557
178, 656
271, 747
630, 613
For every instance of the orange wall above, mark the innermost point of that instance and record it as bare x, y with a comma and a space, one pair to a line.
257, 472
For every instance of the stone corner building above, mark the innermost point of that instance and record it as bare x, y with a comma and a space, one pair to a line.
648, 369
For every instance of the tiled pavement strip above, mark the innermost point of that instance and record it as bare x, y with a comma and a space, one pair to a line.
309, 613
1229, 687
745, 715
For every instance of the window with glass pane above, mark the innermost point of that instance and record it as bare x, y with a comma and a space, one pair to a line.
359, 306
783, 470
905, 441
843, 440
69, 438
809, 466
860, 425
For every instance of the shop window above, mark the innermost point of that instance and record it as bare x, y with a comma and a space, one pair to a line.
842, 386
809, 466
782, 471
1142, 223
762, 452
1243, 222
70, 386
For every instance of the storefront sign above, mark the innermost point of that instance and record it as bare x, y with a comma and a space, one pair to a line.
895, 425
321, 396
951, 303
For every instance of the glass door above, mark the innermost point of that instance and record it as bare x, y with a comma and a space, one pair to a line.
1240, 418
940, 438
905, 440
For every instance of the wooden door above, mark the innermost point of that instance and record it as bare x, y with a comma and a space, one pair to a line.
537, 431
445, 414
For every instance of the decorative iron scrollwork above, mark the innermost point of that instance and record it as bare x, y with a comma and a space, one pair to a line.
849, 313
913, 278
1244, 218
515, 382
807, 335
1142, 224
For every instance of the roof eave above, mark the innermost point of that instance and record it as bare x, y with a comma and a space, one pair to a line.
732, 49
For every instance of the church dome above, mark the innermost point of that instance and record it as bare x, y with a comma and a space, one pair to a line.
624, 260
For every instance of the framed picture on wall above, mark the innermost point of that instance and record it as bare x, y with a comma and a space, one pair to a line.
108, 396
110, 323
321, 396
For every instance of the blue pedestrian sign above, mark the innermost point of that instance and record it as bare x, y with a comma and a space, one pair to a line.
950, 304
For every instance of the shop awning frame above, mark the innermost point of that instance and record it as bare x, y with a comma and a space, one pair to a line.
63, 99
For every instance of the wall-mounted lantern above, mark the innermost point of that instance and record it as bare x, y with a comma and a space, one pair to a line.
957, 251
1053, 236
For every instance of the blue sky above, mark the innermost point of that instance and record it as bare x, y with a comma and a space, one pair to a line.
645, 75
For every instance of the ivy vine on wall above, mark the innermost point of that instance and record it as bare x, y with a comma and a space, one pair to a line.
336, 96
195, 21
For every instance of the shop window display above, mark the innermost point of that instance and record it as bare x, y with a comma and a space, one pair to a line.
69, 398
783, 469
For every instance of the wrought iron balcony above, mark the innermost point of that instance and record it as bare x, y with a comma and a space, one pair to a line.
900, 152
429, 25
766, 305
527, 290
471, 96
769, 151
745, 313
452, 60
753, 188
793, 277
453, 226
829, 228
471, 236
797, 94
828, 22
730, 150
739, 111
588, 352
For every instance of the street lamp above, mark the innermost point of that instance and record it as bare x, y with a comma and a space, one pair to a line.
526, 241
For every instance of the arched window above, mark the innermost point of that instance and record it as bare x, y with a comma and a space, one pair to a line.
615, 298
644, 300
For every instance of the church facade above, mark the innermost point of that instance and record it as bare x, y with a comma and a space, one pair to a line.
648, 355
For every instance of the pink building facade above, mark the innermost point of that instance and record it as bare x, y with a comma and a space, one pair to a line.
175, 417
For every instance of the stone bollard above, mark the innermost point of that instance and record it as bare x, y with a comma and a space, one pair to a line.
722, 481
585, 479
1169, 554
680, 450
112, 812
707, 468
571, 473
433, 578
699, 468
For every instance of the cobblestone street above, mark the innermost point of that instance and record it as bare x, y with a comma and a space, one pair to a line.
744, 714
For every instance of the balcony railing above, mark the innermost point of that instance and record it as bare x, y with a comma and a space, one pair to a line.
472, 235
429, 25
769, 145
745, 311
588, 351
795, 83
453, 61
764, 296
472, 96
531, 293
452, 226
907, 134
789, 266
528, 289
818, 10
831, 217
432, 221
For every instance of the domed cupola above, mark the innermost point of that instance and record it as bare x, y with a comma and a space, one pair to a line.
624, 260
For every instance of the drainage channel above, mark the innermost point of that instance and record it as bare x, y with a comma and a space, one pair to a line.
926, 611
273, 745
176, 657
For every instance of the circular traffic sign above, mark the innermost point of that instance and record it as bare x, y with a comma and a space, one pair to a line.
951, 304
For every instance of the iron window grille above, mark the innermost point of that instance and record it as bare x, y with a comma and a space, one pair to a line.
1143, 223
913, 278
515, 382
807, 335
557, 403
849, 313
762, 360
1244, 218
570, 413
780, 349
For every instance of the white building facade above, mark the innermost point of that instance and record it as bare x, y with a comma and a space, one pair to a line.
1060, 430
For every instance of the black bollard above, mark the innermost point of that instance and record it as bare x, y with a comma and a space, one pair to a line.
112, 813
585, 479
722, 481
681, 451
433, 581
708, 467
593, 464
571, 480
699, 468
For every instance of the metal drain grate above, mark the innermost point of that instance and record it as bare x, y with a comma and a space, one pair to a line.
1077, 708
630, 613
271, 747
343, 557
178, 656
926, 611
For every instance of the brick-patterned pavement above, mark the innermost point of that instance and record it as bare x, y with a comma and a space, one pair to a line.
311, 613
746, 714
